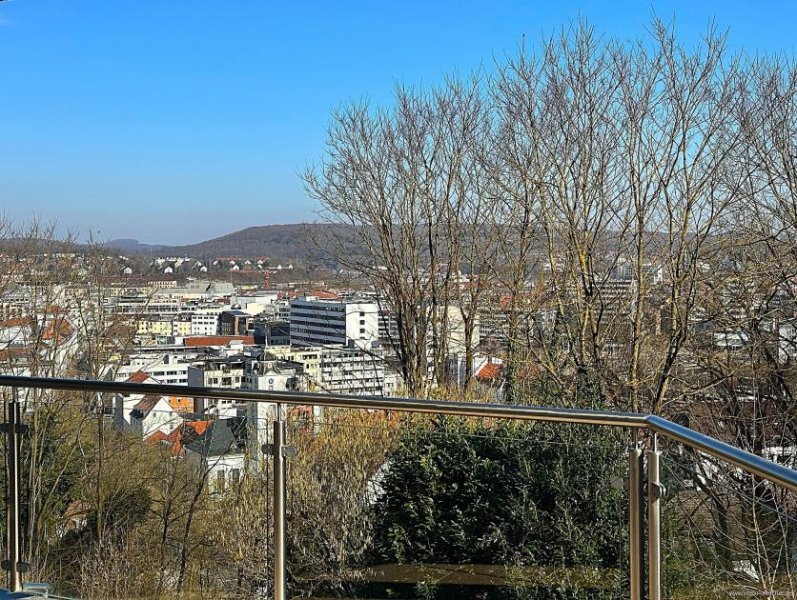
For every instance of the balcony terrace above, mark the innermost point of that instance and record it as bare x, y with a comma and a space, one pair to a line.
648, 557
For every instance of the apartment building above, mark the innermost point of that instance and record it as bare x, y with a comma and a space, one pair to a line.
218, 372
163, 327
168, 365
337, 369
204, 323
220, 451
235, 322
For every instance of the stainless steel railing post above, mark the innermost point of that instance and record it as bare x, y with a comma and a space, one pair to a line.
635, 526
655, 494
12, 428
279, 505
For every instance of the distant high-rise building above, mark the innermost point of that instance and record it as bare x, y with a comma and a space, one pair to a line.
348, 322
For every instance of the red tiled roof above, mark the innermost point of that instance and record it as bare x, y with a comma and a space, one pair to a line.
489, 372
181, 403
16, 322
157, 437
217, 340
57, 330
185, 433
198, 426
323, 295
141, 377
147, 403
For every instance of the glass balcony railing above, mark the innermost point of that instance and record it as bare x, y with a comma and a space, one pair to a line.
284, 494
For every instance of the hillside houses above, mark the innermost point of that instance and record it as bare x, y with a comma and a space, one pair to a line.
144, 414
44, 343
216, 334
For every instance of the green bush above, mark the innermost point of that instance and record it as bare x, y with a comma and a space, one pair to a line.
460, 491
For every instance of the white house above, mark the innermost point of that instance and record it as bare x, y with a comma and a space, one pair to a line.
124, 403
220, 451
154, 413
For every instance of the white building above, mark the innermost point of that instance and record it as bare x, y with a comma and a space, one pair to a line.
168, 367
254, 303
145, 413
124, 403
199, 290
267, 373
340, 370
154, 413
205, 323
318, 322
352, 371
219, 372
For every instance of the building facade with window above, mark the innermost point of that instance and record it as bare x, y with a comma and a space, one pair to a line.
222, 372
346, 322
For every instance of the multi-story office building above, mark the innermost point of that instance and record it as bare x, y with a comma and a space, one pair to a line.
346, 322
282, 310
352, 371
235, 322
143, 304
199, 290
273, 333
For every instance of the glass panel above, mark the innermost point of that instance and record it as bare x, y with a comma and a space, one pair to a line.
727, 533
393, 506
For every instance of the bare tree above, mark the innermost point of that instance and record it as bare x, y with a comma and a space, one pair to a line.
394, 184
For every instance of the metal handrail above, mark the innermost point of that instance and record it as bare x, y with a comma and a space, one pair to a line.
745, 460
464, 409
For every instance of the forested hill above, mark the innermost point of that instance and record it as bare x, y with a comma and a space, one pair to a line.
274, 241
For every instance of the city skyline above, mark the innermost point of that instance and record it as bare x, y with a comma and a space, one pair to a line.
177, 123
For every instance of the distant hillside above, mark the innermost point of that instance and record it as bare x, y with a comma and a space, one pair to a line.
274, 241
134, 246
278, 242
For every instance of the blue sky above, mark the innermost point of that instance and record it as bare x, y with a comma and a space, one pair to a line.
173, 122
